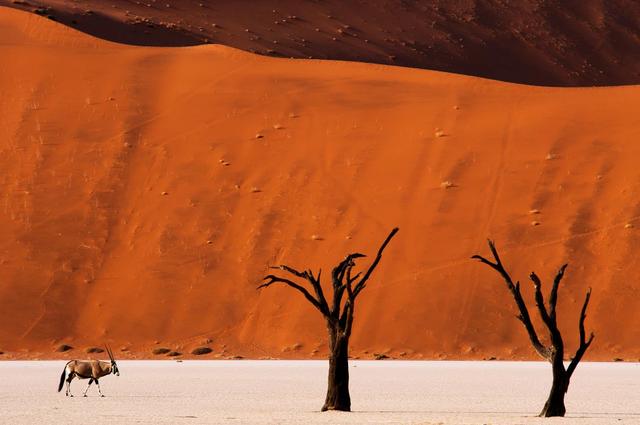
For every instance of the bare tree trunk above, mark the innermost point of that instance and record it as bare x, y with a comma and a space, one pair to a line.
554, 353
338, 397
339, 315
555, 403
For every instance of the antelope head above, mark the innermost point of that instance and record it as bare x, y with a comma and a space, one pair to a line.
114, 366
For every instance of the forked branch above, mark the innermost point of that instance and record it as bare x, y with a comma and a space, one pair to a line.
554, 353
271, 279
550, 323
584, 343
342, 280
363, 281
338, 275
524, 316
553, 296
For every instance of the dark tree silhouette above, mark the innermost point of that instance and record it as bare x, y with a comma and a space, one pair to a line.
555, 352
338, 316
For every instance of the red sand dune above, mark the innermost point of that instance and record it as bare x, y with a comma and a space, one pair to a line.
137, 206
555, 43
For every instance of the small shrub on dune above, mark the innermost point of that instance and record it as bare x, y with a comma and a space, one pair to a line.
199, 351
92, 350
160, 350
63, 347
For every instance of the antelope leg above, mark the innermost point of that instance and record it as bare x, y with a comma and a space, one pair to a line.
90, 382
99, 390
68, 393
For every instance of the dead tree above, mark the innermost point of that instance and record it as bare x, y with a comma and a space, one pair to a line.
554, 353
338, 316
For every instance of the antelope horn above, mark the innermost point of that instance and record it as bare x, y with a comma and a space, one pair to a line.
109, 352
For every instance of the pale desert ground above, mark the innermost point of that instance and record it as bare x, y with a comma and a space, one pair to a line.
291, 392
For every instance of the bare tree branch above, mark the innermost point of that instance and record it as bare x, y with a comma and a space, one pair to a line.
583, 315
524, 316
584, 343
354, 278
346, 318
337, 276
542, 309
271, 279
554, 332
339, 318
290, 270
315, 284
554, 353
317, 287
361, 284
340, 270
553, 296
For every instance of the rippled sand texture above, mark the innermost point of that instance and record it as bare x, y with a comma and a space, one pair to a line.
145, 191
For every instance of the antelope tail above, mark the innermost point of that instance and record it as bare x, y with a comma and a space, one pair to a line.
64, 373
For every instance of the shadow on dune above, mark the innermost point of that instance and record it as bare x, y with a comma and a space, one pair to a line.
569, 43
137, 33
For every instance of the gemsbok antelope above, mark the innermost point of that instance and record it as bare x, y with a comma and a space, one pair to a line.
88, 369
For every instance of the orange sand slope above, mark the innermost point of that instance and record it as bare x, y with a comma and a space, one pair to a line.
139, 205
559, 43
